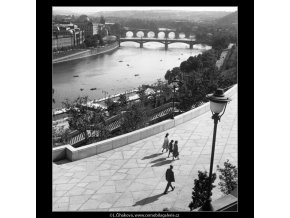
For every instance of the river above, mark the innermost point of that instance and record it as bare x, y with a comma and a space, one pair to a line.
109, 76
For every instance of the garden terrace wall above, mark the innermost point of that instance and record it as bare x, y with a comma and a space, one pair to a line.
74, 154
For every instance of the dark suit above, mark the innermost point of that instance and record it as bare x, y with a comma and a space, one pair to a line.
170, 148
170, 178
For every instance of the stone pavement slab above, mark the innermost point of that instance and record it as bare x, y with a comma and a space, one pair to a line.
131, 178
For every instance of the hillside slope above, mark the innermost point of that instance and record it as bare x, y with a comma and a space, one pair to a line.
230, 19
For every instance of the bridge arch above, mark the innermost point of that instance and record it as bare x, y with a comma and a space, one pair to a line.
161, 42
140, 34
129, 34
151, 34
135, 42
187, 43
161, 35
171, 35
181, 35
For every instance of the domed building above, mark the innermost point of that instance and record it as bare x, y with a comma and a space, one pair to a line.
83, 18
85, 24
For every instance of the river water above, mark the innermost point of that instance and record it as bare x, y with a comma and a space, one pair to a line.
109, 76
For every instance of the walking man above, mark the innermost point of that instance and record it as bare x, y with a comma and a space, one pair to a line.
170, 178
165, 143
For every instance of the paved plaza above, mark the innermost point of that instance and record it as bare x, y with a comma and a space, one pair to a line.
132, 177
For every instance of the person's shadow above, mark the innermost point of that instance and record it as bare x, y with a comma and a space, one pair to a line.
158, 160
162, 163
151, 156
148, 200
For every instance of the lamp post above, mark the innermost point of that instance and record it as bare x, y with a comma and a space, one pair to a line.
174, 84
218, 104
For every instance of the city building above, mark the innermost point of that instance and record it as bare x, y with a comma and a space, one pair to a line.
66, 34
88, 27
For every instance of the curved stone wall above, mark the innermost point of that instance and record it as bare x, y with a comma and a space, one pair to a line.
88, 53
72, 154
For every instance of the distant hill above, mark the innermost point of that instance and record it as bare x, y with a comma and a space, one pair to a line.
153, 14
64, 12
230, 19
164, 14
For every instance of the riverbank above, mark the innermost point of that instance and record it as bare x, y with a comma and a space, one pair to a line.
87, 53
60, 113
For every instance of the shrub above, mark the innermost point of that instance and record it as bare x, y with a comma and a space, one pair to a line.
60, 135
228, 177
200, 190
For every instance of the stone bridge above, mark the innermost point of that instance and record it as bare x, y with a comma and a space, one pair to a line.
166, 31
165, 41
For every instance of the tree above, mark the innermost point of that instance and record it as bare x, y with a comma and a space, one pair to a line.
221, 40
112, 107
116, 29
123, 100
185, 98
162, 92
142, 95
91, 41
185, 66
102, 20
228, 177
83, 118
60, 135
134, 118
99, 126
171, 74
208, 58
100, 39
200, 190
195, 63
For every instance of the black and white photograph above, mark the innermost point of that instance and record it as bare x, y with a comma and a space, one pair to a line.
145, 109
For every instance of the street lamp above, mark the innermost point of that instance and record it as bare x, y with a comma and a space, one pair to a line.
218, 104
174, 84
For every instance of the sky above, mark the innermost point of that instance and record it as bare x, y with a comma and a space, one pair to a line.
97, 9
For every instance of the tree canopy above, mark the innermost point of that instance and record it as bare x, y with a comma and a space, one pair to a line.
84, 118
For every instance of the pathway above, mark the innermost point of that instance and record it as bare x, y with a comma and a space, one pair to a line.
131, 178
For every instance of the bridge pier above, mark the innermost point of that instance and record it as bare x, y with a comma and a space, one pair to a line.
191, 45
166, 34
156, 35
166, 45
134, 34
141, 44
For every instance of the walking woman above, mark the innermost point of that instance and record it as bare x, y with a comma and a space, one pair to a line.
175, 150
165, 143
170, 147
